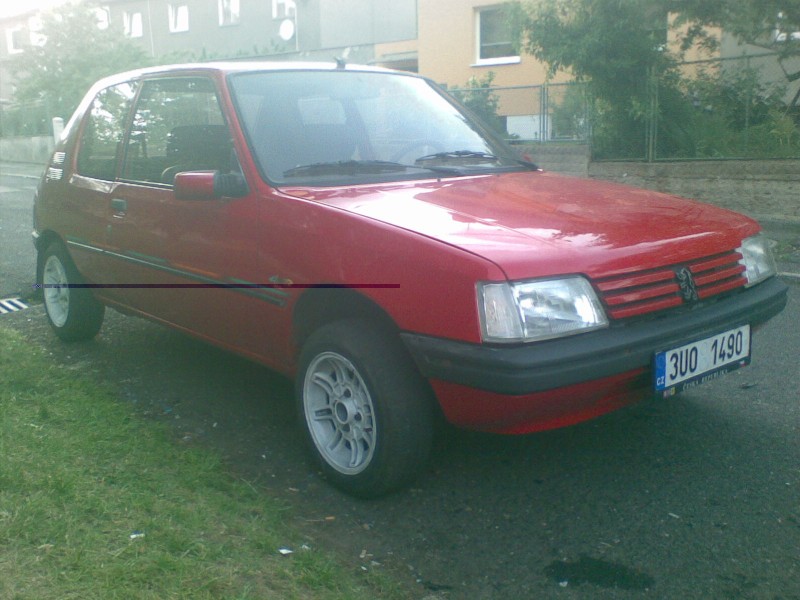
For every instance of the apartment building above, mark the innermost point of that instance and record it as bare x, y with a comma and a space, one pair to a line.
181, 30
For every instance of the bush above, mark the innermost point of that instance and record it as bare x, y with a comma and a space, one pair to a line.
477, 96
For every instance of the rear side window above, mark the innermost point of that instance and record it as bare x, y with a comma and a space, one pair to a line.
103, 132
178, 125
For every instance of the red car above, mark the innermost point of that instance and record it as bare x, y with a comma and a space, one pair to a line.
357, 229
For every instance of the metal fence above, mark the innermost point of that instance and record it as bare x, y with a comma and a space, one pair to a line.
535, 113
744, 107
27, 120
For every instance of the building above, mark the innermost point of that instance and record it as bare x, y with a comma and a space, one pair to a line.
185, 30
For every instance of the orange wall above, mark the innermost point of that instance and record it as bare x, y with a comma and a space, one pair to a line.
447, 47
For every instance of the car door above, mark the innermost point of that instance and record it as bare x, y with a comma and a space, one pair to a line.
189, 263
85, 201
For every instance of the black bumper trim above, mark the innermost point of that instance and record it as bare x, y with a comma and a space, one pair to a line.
542, 366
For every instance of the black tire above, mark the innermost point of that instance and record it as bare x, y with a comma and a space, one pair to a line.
73, 312
365, 409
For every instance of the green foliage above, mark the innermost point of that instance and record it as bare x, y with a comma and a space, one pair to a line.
751, 21
641, 104
570, 112
74, 55
614, 47
97, 503
478, 96
731, 112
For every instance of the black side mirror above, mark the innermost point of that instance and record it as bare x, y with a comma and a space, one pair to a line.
230, 185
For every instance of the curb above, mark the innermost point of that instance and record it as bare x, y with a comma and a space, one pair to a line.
20, 170
21, 176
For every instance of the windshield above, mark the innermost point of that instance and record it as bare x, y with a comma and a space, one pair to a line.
343, 127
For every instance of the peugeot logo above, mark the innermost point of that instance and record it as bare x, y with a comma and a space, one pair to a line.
687, 285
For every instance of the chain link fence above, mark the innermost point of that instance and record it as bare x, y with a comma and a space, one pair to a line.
26, 121
745, 107
528, 114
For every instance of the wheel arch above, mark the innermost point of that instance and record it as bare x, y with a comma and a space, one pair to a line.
321, 306
42, 242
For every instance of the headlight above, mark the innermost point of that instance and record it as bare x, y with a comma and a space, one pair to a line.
757, 259
529, 311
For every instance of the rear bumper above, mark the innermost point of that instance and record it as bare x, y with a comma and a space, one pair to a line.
554, 364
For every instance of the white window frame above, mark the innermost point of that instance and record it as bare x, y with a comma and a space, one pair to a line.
229, 12
284, 9
133, 23
103, 16
178, 13
11, 46
500, 60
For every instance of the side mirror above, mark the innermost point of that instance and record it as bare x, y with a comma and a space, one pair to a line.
209, 185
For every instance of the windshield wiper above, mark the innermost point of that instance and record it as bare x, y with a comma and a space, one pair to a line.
527, 164
353, 167
458, 154
345, 167
473, 154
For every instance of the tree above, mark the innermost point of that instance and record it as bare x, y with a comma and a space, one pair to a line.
478, 96
74, 53
615, 47
772, 24
766, 23
619, 49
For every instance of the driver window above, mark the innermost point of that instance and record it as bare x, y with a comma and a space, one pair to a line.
103, 132
178, 126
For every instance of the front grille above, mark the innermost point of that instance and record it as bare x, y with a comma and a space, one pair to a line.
645, 292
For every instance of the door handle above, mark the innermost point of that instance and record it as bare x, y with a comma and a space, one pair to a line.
118, 205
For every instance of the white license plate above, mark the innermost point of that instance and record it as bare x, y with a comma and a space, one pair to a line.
701, 361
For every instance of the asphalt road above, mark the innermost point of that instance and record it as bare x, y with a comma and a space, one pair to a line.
694, 497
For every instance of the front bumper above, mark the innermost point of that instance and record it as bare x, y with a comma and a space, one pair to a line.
549, 365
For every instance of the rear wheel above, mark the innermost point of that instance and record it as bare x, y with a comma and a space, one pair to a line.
366, 410
73, 312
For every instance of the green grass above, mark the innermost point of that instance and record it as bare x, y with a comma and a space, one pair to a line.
96, 502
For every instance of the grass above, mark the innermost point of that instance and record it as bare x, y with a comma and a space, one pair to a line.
96, 502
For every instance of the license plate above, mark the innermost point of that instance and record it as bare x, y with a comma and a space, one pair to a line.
701, 361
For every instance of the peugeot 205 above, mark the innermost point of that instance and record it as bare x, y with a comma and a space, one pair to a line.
358, 230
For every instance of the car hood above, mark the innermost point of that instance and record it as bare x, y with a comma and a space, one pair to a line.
541, 224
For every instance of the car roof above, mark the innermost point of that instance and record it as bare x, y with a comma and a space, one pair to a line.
249, 66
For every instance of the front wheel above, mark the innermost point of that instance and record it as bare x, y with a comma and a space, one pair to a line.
73, 312
366, 410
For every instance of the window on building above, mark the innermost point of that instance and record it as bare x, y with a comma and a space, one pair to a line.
283, 9
132, 24
103, 15
178, 17
228, 12
16, 39
495, 45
